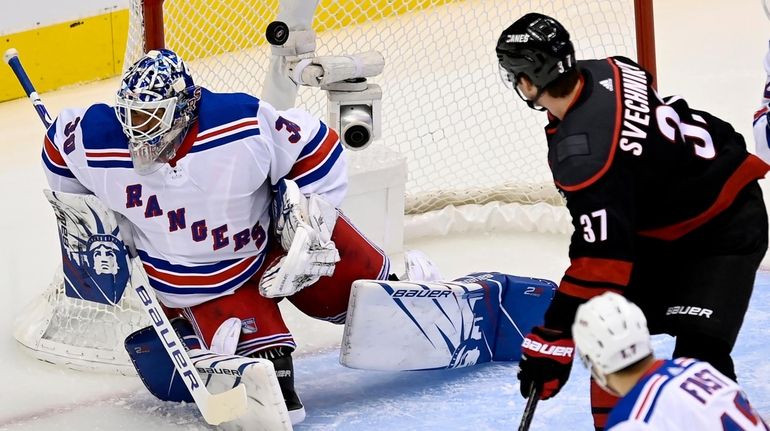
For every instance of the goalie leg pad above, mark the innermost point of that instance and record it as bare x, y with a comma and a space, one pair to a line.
396, 325
153, 364
522, 307
94, 257
266, 407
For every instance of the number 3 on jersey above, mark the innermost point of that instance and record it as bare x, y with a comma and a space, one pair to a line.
291, 127
669, 124
592, 222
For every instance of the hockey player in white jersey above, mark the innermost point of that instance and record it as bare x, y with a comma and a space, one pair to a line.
761, 126
613, 341
230, 202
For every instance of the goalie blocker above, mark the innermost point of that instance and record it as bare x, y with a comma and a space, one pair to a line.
482, 317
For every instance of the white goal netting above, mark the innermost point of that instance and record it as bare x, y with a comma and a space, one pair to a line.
466, 138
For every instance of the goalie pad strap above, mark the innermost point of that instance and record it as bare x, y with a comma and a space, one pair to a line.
266, 407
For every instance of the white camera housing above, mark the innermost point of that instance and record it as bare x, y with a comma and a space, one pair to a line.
355, 111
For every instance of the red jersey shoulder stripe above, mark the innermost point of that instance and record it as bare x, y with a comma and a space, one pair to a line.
601, 270
314, 160
582, 292
53, 160
751, 169
112, 153
760, 113
225, 134
647, 396
226, 129
53, 153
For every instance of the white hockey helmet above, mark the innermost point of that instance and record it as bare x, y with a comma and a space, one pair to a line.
610, 334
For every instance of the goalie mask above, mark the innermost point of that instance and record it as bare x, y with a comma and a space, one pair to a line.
156, 104
536, 46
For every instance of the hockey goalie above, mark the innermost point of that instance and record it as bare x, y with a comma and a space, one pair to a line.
213, 208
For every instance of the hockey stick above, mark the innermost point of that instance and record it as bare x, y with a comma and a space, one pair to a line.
529, 409
215, 408
11, 57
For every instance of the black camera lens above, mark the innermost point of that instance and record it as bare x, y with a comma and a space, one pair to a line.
357, 136
277, 33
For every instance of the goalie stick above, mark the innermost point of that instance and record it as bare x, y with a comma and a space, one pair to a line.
11, 57
529, 409
215, 408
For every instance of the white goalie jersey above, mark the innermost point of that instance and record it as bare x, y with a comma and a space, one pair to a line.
762, 133
761, 126
200, 224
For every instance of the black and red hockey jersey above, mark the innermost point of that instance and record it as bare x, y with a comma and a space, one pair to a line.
632, 164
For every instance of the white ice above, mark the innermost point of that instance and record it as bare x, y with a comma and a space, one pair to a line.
709, 51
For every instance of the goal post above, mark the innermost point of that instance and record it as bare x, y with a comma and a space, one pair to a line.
645, 36
468, 142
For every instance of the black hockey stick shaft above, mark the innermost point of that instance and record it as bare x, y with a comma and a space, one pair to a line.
529, 409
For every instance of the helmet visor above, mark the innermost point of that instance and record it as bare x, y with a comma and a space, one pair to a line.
145, 121
508, 78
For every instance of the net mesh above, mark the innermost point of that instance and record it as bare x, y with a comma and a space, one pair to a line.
80, 334
467, 139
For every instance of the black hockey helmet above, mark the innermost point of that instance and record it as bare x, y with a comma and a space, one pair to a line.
535, 45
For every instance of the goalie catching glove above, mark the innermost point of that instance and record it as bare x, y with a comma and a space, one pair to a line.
304, 227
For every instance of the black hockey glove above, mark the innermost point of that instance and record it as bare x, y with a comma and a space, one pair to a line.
546, 360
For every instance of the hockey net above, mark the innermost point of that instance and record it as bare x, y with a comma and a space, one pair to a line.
78, 334
468, 141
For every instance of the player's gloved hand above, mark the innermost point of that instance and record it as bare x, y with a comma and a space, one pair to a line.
546, 361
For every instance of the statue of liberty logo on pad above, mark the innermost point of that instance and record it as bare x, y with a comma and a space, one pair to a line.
94, 258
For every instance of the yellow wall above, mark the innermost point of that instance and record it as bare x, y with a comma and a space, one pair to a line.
241, 24
68, 53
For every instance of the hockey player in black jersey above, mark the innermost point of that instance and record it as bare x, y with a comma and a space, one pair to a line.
664, 201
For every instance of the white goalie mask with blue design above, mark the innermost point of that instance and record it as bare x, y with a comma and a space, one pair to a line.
156, 104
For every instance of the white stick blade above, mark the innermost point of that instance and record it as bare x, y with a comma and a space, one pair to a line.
225, 406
